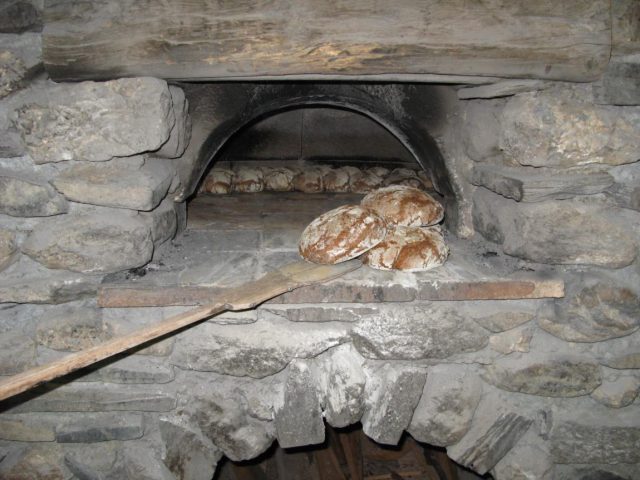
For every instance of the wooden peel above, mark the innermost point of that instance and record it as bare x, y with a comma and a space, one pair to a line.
242, 297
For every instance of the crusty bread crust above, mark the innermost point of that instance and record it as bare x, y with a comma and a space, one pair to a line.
341, 234
278, 179
403, 205
218, 181
410, 249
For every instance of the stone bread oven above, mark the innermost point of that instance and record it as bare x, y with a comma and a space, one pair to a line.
520, 356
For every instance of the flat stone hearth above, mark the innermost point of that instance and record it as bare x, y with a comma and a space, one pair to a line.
233, 239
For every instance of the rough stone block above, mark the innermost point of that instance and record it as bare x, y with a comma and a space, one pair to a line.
225, 421
93, 397
115, 461
623, 360
569, 232
411, 333
536, 185
508, 315
71, 328
189, 455
18, 16
25, 197
626, 191
563, 128
142, 463
122, 183
101, 427
481, 123
619, 85
96, 121
256, 350
35, 461
10, 142
98, 243
298, 420
391, 396
8, 248
180, 134
529, 459
93, 461
17, 353
596, 434
618, 392
341, 381
25, 281
516, 340
25, 427
20, 60
121, 321
450, 397
547, 375
596, 472
494, 431
131, 369
597, 312
162, 221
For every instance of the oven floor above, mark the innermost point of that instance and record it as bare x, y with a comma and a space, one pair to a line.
233, 239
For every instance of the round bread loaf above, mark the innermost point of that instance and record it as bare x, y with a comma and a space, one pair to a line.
341, 234
248, 180
364, 181
414, 182
381, 172
403, 176
336, 180
309, 181
278, 179
412, 249
402, 205
218, 181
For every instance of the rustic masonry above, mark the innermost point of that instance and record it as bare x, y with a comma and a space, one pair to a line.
521, 355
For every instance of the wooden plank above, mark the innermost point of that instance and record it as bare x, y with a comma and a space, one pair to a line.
350, 442
253, 39
241, 297
126, 295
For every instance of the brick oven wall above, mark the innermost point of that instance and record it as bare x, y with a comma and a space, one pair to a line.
547, 173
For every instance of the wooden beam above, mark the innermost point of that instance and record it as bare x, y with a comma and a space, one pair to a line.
254, 39
127, 295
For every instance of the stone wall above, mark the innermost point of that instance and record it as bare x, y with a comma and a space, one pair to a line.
522, 389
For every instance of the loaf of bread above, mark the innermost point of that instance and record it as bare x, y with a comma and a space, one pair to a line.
412, 249
381, 172
402, 205
341, 234
336, 180
309, 180
248, 180
278, 179
403, 176
364, 181
218, 181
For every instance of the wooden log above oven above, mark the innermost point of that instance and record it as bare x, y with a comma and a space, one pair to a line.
431, 40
